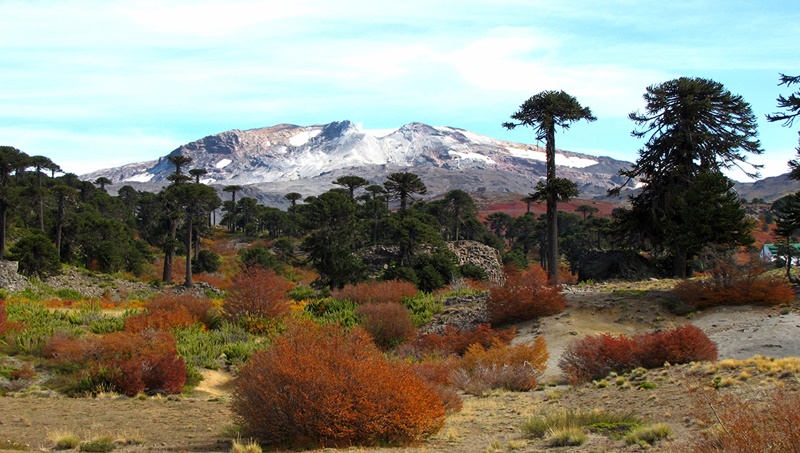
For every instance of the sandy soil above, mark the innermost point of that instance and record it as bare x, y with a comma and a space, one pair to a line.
202, 421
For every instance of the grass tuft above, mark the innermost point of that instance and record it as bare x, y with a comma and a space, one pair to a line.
648, 434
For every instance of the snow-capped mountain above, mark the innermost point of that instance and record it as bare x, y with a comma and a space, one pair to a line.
306, 159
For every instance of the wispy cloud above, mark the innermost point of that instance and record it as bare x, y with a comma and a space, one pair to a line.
183, 69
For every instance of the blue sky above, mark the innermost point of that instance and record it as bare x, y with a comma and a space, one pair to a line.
94, 84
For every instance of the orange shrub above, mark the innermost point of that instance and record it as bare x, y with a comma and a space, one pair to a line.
456, 341
594, 356
258, 293
732, 283
512, 367
320, 385
764, 423
127, 362
201, 309
389, 323
375, 292
26, 372
163, 321
740, 291
523, 296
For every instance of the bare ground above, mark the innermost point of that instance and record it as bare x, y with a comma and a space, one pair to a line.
203, 421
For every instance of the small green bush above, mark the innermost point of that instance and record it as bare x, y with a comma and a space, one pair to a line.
102, 444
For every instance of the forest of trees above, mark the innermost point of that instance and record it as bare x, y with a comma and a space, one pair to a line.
693, 129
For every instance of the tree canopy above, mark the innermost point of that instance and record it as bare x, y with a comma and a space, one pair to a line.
694, 128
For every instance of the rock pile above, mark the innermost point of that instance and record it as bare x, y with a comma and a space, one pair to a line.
10, 279
481, 255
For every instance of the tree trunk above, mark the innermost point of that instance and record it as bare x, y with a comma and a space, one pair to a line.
792, 280
189, 283
679, 263
552, 207
169, 251
3, 215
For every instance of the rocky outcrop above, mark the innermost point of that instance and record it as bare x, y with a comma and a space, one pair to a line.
481, 255
380, 257
10, 279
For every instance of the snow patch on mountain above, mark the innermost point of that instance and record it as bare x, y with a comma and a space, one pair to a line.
561, 159
471, 136
472, 156
223, 163
141, 177
304, 137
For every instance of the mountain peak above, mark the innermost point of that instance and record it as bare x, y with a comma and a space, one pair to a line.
280, 154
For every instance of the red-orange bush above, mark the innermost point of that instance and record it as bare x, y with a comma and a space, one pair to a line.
760, 424
705, 293
199, 308
375, 292
512, 367
524, 295
160, 320
389, 323
732, 283
127, 362
258, 293
594, 356
320, 385
456, 341
438, 372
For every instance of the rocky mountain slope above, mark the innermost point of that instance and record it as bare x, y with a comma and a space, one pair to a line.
275, 160
272, 161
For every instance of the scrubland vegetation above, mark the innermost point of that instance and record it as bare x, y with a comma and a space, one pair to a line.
331, 348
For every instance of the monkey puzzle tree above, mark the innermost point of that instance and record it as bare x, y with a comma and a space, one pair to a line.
351, 183
196, 200
544, 112
792, 106
693, 127
403, 186
787, 221
197, 173
11, 159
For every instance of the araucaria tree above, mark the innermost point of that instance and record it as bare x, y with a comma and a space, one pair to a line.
788, 216
694, 128
543, 112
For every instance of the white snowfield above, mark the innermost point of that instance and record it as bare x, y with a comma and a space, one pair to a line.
562, 160
303, 137
141, 177
472, 156
223, 163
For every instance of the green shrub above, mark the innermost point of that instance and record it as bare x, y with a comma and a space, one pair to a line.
538, 426
36, 254
207, 261
422, 307
302, 292
102, 444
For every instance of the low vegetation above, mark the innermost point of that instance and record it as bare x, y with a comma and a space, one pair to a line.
595, 356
